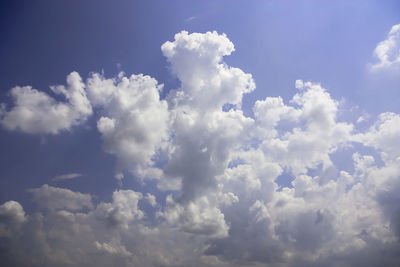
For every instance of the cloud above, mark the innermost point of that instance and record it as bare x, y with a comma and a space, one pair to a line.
151, 199
204, 135
54, 198
12, 211
122, 210
68, 176
112, 249
387, 52
197, 217
223, 204
37, 112
384, 136
207, 82
80, 238
191, 18
134, 121
12, 215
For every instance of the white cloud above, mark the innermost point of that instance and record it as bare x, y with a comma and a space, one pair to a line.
151, 199
37, 112
68, 176
123, 209
384, 136
362, 118
112, 249
134, 120
197, 217
207, 82
388, 51
225, 206
203, 135
55, 198
311, 132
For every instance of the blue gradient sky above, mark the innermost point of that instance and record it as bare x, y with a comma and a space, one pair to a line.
278, 42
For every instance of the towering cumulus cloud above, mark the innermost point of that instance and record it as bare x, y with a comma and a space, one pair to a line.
218, 199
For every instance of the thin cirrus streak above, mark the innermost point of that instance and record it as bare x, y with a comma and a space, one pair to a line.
67, 176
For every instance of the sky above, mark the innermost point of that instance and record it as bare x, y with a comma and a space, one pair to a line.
199, 133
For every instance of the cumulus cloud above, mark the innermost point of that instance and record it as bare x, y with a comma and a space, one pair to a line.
134, 120
197, 217
224, 205
12, 211
207, 82
12, 215
122, 210
54, 198
205, 135
314, 132
37, 112
387, 52
384, 136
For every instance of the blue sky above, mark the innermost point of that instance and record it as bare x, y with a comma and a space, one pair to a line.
206, 164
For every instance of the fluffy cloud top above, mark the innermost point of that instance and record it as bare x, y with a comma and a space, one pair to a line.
224, 205
12, 212
384, 136
54, 198
37, 112
207, 82
134, 120
12, 215
122, 210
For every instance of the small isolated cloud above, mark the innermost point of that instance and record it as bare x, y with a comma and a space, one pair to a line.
191, 18
68, 176
387, 52
363, 118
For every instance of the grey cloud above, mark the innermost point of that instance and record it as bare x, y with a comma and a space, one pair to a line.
12, 212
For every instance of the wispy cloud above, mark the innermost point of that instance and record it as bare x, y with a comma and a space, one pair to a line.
191, 18
68, 176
